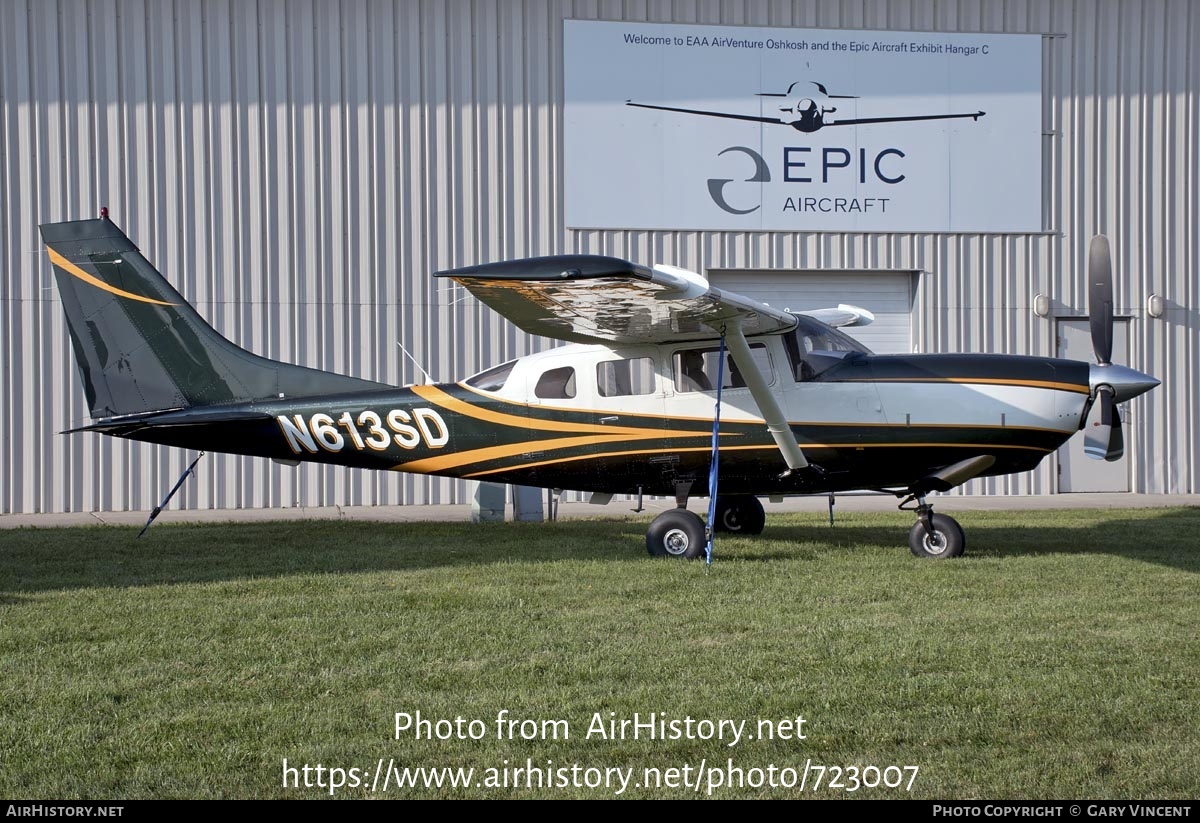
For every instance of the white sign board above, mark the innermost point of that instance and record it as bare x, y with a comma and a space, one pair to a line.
740, 128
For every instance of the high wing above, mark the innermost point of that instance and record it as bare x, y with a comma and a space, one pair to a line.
588, 298
594, 299
726, 115
860, 121
975, 115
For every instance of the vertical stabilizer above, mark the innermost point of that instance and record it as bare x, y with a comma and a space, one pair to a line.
140, 347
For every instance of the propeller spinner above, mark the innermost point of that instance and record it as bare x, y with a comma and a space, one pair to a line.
1110, 384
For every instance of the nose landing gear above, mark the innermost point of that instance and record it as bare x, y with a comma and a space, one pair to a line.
933, 536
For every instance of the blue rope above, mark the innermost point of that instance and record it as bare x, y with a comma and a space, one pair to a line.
713, 473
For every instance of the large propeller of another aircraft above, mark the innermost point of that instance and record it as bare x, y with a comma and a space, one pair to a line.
1110, 384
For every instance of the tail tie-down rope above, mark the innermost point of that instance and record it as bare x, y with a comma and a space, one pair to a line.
713, 472
188, 472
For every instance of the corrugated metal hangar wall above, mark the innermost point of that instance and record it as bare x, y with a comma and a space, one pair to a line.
298, 169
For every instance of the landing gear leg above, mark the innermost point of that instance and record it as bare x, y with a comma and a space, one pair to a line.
933, 536
683, 488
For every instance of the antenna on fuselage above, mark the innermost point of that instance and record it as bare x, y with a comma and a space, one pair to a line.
428, 380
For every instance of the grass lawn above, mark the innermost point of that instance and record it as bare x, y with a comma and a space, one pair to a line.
1059, 659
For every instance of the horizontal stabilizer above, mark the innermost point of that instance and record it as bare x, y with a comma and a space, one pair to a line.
126, 425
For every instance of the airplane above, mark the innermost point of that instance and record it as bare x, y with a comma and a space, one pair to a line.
805, 115
663, 378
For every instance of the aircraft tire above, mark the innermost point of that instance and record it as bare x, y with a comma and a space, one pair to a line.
948, 539
676, 533
739, 514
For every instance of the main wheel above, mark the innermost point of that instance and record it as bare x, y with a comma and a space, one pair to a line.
676, 533
739, 514
947, 540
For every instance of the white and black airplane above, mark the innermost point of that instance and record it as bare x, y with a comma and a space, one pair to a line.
804, 114
627, 407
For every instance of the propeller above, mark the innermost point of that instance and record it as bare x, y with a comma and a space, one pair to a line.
1103, 439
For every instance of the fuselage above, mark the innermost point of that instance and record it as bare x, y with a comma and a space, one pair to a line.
621, 420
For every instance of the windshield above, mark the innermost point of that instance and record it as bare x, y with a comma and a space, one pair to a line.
813, 347
493, 379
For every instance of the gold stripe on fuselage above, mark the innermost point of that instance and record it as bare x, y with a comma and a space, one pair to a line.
428, 465
614, 454
439, 397
986, 381
984, 447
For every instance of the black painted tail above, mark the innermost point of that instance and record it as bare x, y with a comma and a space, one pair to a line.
140, 347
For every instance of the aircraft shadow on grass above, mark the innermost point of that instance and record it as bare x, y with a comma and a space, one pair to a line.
229, 552
1122, 538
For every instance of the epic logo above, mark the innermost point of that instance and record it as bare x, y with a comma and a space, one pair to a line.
716, 186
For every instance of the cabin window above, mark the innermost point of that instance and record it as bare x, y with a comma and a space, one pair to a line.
696, 369
622, 378
493, 379
556, 384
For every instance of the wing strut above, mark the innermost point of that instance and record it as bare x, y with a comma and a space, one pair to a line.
767, 404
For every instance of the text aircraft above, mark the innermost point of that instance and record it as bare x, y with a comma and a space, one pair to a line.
628, 407
805, 114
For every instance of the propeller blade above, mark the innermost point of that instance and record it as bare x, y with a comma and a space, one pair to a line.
1104, 439
1100, 299
1100, 425
1116, 440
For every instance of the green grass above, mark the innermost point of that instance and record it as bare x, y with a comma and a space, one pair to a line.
1059, 658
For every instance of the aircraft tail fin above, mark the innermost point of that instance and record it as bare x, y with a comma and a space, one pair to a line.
140, 347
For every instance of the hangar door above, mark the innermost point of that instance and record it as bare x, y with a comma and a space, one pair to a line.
887, 294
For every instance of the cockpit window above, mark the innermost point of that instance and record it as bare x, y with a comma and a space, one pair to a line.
493, 379
814, 347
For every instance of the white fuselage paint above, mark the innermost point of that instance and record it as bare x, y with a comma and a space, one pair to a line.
845, 403
981, 404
